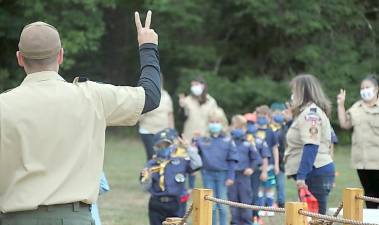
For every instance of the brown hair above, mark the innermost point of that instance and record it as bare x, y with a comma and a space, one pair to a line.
203, 97
240, 120
306, 88
263, 109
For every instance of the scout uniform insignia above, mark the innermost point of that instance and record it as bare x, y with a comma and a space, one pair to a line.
180, 178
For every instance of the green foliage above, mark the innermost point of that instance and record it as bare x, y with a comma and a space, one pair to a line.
248, 50
81, 22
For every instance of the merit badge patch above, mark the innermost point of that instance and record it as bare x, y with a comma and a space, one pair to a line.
180, 178
313, 131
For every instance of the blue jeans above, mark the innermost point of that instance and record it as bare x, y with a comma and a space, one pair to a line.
280, 189
320, 187
215, 180
255, 184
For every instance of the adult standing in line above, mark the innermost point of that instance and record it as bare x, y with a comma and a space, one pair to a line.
307, 157
363, 117
196, 108
53, 132
155, 121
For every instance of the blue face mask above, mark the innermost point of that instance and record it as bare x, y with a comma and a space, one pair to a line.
215, 128
237, 134
165, 153
279, 118
251, 128
262, 120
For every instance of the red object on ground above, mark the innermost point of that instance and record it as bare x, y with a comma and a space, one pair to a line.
306, 196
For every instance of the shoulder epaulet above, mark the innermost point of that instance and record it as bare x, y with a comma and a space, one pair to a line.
80, 79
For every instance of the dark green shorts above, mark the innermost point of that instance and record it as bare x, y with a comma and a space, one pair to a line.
65, 214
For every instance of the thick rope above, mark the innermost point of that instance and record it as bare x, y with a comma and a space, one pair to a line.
325, 222
368, 199
186, 215
333, 219
178, 220
340, 207
245, 206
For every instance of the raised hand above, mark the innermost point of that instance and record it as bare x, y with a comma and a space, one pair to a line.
145, 34
341, 97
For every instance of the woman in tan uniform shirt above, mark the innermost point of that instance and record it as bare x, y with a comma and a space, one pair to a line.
363, 117
307, 156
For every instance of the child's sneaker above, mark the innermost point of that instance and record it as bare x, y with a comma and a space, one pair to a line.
262, 213
270, 214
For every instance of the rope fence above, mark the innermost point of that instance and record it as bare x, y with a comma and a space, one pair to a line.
245, 206
333, 219
295, 212
368, 199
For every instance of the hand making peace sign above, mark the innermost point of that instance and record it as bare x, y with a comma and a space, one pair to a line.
145, 34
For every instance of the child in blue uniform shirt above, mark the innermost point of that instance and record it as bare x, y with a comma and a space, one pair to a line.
249, 161
267, 190
259, 175
219, 156
280, 128
164, 177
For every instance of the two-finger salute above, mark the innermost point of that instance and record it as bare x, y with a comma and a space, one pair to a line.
145, 34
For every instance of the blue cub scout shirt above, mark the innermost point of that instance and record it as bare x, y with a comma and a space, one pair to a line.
175, 173
262, 147
271, 139
248, 156
217, 153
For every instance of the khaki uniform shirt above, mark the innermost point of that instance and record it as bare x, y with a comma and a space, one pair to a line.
312, 126
52, 136
197, 115
365, 140
158, 119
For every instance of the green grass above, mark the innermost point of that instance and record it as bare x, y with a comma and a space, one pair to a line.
126, 204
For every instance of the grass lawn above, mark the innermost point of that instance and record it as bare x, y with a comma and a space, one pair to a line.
126, 204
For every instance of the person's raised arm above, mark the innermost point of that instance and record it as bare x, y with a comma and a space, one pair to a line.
342, 115
149, 59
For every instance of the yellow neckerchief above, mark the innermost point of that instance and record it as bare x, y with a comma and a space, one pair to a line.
275, 126
180, 152
261, 134
251, 139
162, 166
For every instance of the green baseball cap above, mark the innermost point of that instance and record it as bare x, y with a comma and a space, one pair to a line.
39, 40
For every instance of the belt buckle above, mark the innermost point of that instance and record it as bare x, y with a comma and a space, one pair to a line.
165, 199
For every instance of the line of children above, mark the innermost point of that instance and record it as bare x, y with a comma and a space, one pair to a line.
239, 165
249, 161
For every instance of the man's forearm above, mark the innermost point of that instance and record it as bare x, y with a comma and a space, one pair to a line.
150, 76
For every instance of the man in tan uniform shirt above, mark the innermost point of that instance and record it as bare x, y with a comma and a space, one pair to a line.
52, 132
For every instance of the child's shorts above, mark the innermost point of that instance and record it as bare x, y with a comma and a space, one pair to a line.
271, 181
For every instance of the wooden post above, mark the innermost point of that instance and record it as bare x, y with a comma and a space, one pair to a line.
292, 213
352, 207
202, 209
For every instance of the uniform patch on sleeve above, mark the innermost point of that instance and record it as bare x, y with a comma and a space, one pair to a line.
313, 131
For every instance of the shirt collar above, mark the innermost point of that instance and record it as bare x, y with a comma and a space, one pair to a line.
41, 76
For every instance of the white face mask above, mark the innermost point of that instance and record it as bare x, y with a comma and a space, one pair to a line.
197, 89
367, 94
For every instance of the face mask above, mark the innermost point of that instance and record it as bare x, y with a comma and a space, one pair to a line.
262, 120
251, 128
215, 128
237, 134
279, 118
367, 94
165, 153
197, 89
